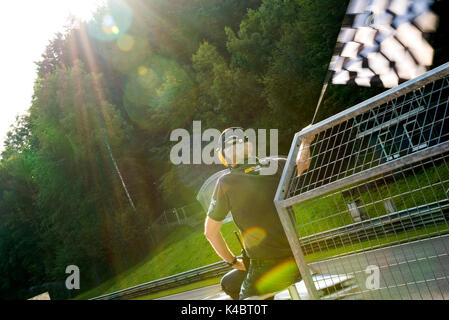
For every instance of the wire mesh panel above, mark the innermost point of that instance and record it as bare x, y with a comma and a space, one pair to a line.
374, 202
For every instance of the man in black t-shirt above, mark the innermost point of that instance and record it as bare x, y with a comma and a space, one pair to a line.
248, 193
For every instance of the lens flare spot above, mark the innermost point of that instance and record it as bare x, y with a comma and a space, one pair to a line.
278, 278
111, 22
126, 43
142, 70
110, 30
115, 30
108, 21
253, 236
109, 25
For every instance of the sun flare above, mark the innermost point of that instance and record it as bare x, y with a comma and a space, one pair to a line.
82, 9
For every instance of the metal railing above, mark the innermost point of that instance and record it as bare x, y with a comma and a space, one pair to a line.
187, 277
376, 193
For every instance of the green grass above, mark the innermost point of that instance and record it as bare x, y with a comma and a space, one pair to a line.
184, 249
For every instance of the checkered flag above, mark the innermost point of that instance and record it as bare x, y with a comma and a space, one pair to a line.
382, 42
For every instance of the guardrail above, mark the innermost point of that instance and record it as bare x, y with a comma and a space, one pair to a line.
206, 272
378, 177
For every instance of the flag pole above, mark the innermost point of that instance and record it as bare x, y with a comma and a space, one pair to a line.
323, 91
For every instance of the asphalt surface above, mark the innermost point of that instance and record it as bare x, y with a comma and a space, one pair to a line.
412, 271
213, 291
416, 270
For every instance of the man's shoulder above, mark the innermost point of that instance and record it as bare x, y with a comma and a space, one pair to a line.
224, 179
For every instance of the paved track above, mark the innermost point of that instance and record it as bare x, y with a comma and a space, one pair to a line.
415, 270
196, 294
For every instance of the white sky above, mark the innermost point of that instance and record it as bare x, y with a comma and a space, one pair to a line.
26, 27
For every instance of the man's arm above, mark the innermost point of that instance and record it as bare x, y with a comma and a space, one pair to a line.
212, 231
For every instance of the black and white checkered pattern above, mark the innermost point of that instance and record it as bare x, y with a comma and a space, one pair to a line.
382, 42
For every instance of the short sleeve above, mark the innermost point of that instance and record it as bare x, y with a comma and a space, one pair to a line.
219, 205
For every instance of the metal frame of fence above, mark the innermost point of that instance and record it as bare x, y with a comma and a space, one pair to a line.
187, 277
191, 214
376, 193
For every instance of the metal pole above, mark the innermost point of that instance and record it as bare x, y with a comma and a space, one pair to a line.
304, 269
131, 202
177, 216
294, 292
287, 222
323, 91
184, 213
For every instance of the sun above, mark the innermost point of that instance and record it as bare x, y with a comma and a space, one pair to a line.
82, 9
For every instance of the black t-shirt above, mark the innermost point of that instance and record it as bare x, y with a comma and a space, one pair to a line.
249, 197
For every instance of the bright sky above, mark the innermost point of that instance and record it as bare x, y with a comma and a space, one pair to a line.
26, 27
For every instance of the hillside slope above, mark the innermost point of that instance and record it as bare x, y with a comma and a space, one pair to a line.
184, 249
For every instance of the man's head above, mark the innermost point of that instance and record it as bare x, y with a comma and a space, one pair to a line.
234, 147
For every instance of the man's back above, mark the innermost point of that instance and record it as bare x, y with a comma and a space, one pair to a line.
249, 197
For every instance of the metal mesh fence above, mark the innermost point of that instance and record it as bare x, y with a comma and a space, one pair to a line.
374, 203
183, 215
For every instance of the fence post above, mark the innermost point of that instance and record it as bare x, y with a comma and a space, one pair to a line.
287, 222
150, 231
184, 213
294, 292
165, 217
177, 216
293, 240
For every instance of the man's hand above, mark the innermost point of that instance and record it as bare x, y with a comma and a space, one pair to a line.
303, 157
308, 140
239, 265
213, 234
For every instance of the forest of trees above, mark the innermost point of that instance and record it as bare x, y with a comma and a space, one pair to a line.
116, 86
